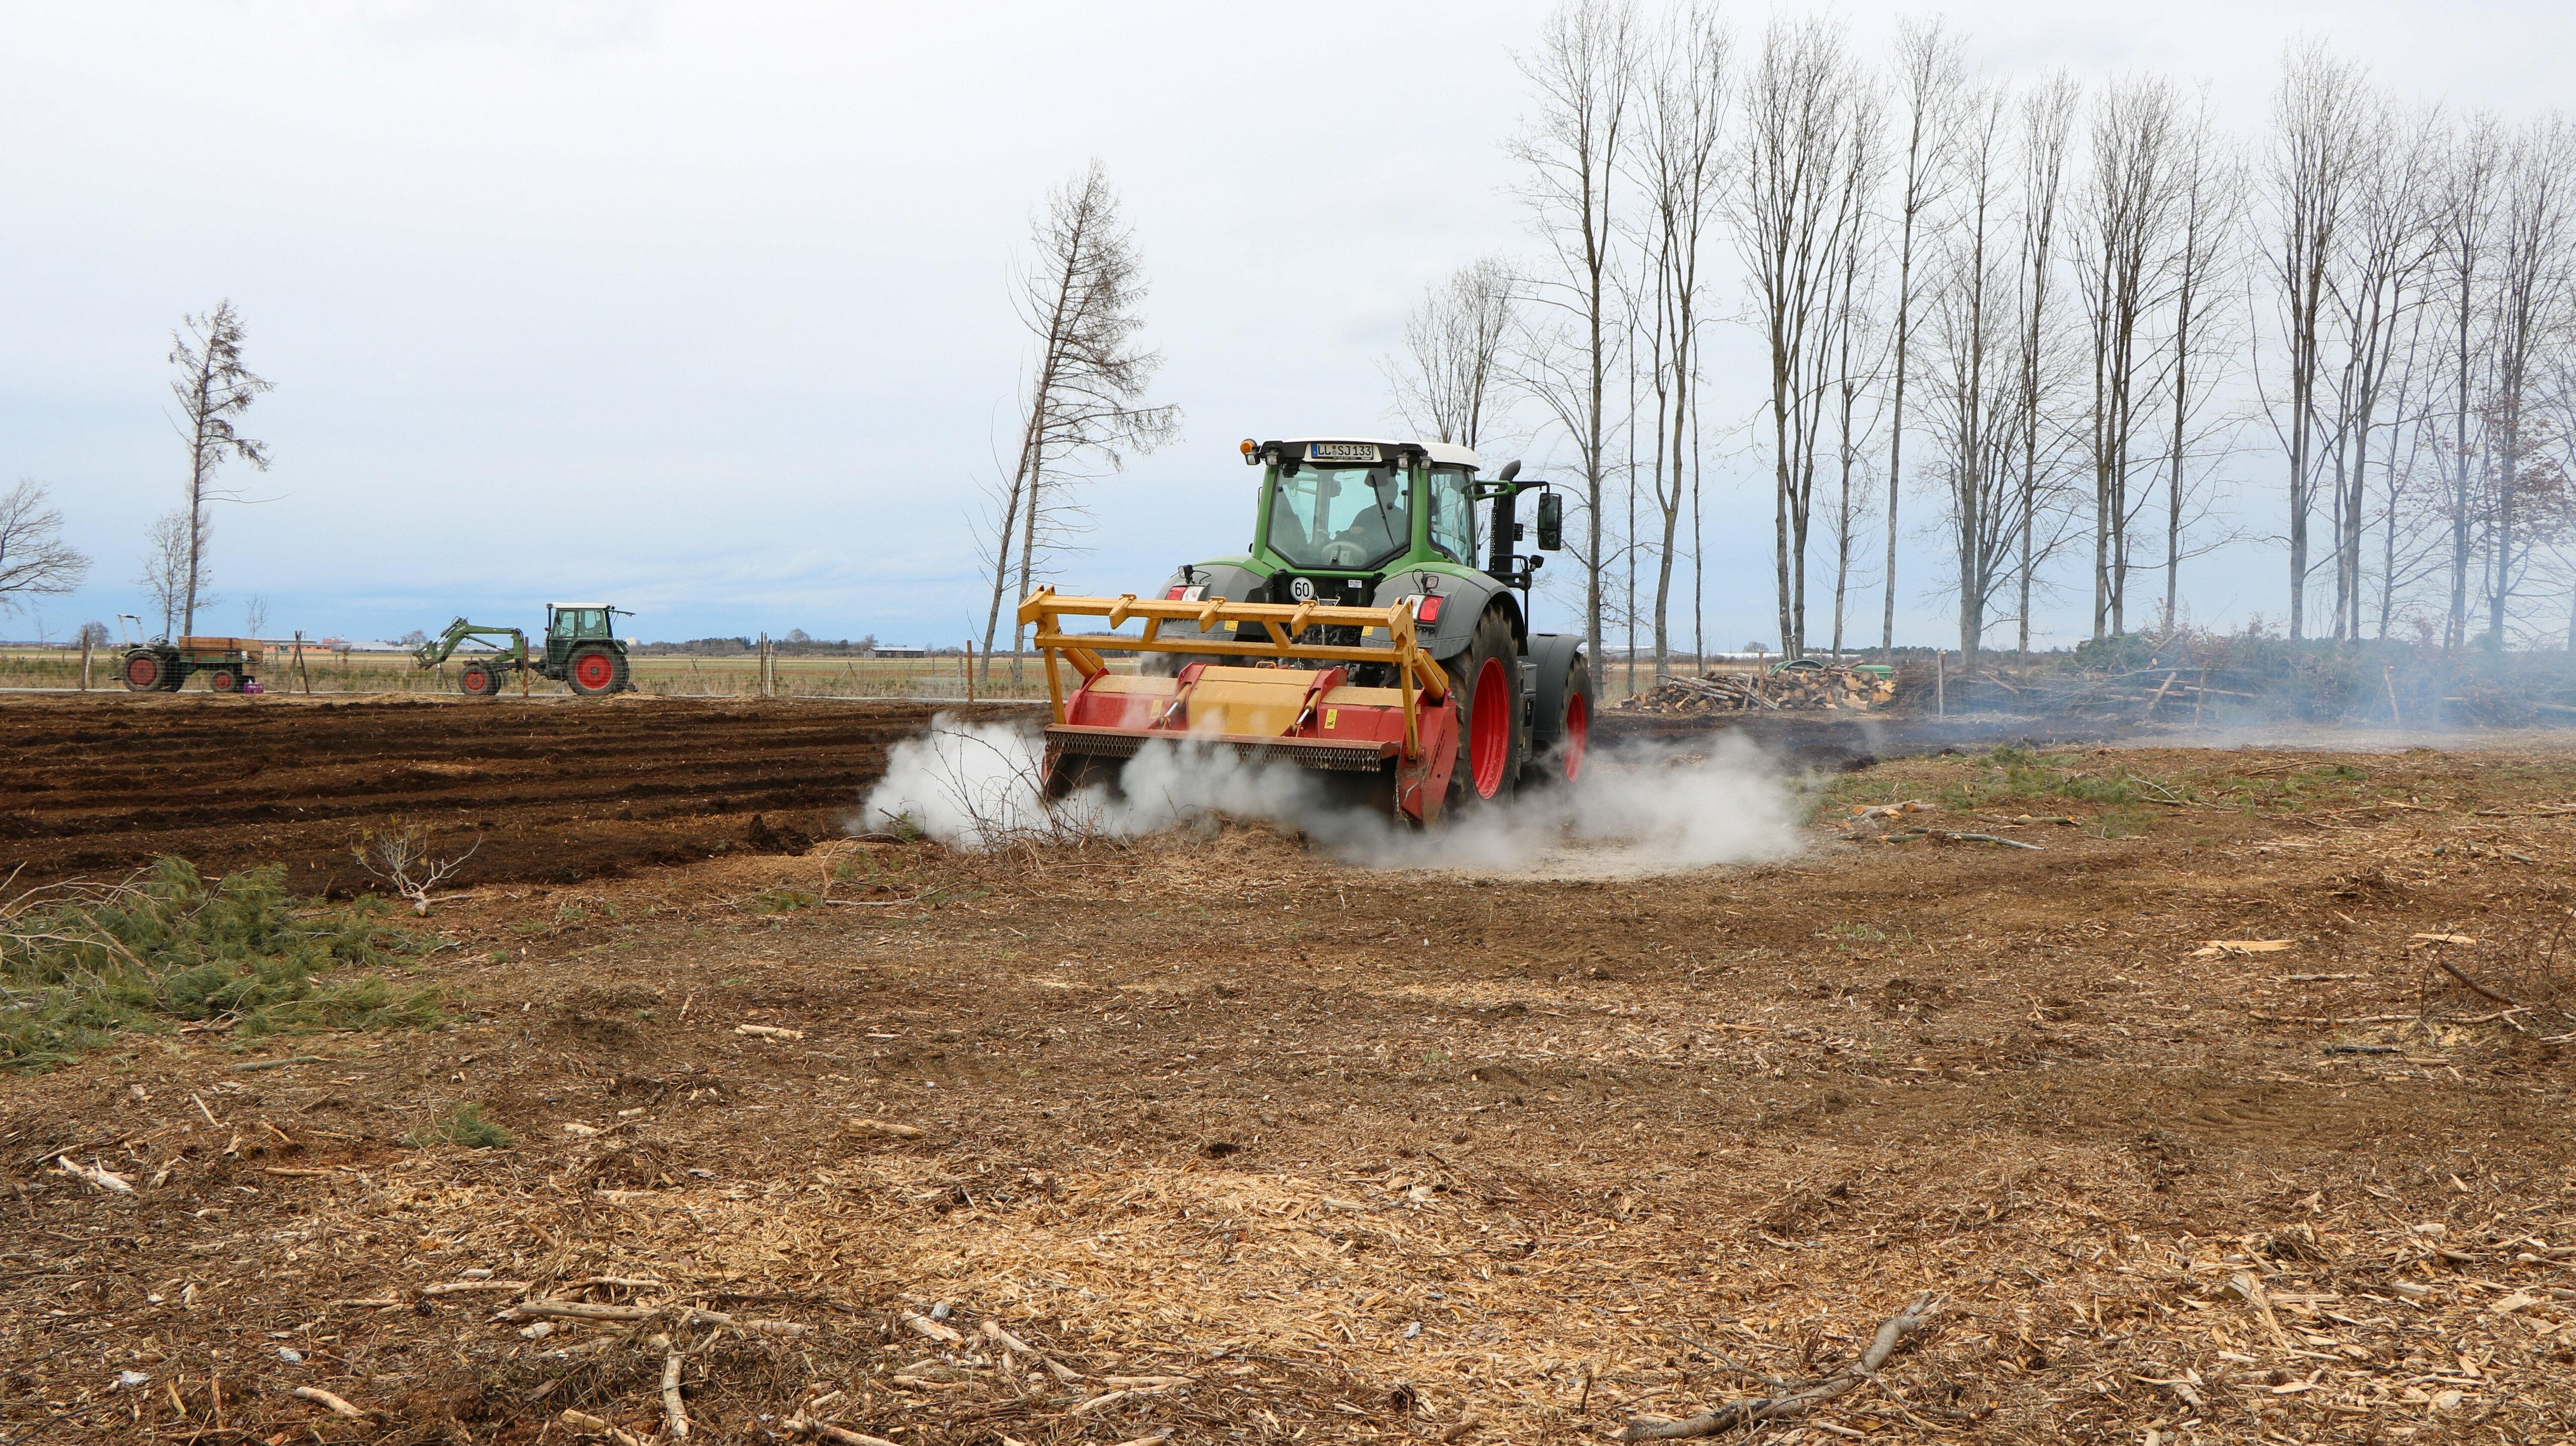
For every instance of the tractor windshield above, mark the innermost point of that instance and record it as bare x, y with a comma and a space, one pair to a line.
1350, 517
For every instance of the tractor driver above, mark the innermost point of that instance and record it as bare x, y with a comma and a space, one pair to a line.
1383, 525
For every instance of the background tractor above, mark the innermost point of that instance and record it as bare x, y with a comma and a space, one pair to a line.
581, 651
163, 664
1386, 614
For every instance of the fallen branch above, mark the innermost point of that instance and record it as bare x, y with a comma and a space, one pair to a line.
1012, 1342
799, 1426
672, 1409
589, 1425
322, 1397
880, 1129
2475, 987
98, 1175
923, 1325
1898, 1328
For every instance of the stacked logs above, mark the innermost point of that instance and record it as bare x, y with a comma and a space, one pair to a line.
1785, 689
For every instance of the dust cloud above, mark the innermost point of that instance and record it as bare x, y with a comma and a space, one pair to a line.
1637, 811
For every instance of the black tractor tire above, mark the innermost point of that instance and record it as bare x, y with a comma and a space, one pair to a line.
146, 673
479, 680
1568, 734
223, 681
1485, 683
594, 671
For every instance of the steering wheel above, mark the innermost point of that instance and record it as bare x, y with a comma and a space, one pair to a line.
1342, 552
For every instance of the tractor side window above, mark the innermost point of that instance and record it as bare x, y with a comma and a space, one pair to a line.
1453, 516
1349, 517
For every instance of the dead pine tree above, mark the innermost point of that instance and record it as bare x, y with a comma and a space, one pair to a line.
1080, 296
2122, 244
1569, 149
213, 389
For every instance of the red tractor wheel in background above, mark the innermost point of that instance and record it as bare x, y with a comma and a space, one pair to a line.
142, 672
1575, 734
478, 680
223, 681
592, 671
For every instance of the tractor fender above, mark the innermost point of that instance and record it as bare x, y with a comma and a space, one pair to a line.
1551, 658
1466, 599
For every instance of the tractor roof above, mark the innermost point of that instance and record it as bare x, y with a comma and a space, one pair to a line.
1441, 453
566, 607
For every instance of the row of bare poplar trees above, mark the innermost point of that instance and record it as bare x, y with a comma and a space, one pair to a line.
2086, 325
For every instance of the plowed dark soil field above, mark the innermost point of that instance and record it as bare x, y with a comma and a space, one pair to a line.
555, 791
2208, 1095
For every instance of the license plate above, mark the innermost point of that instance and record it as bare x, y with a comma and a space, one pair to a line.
1341, 452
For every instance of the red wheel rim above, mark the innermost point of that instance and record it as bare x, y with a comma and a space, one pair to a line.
593, 671
1489, 729
1578, 731
223, 682
476, 680
142, 672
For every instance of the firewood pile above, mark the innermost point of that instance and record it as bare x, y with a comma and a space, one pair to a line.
1787, 689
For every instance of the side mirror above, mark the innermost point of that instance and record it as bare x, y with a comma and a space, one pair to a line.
1551, 522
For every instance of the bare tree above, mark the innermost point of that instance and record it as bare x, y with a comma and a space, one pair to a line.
34, 559
1680, 166
1929, 77
1794, 211
2121, 262
2465, 216
1080, 296
2531, 319
169, 565
2209, 199
1583, 70
213, 389
255, 614
2048, 125
2376, 288
1974, 410
2319, 117
1450, 375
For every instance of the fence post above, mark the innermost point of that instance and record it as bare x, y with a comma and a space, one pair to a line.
1940, 683
970, 670
760, 668
85, 646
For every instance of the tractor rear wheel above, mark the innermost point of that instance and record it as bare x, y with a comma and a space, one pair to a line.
142, 672
1562, 762
593, 671
479, 680
223, 681
1485, 682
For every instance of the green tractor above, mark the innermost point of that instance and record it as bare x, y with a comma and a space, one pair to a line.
582, 651
1371, 523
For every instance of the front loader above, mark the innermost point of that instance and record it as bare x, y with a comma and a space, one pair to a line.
581, 651
1358, 635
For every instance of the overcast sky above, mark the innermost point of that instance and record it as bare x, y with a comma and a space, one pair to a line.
704, 310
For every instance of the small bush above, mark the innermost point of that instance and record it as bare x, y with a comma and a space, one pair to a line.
79, 964
466, 1126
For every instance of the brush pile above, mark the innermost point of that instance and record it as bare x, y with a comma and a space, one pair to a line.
1801, 686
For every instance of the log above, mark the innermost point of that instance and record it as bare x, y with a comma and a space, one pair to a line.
923, 1325
338, 1407
1894, 1332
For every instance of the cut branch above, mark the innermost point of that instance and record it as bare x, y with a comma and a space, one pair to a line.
1896, 1331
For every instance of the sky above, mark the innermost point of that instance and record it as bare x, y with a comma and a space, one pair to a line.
706, 310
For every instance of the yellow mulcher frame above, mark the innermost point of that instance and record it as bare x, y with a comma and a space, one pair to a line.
1418, 677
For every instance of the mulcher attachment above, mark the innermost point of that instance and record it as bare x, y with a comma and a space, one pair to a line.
1396, 744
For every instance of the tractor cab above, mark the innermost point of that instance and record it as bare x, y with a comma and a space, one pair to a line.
569, 624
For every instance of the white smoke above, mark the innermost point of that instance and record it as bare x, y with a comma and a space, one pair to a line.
977, 786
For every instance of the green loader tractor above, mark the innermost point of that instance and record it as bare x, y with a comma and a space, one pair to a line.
582, 651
